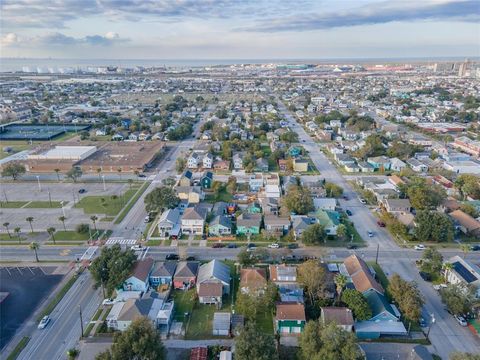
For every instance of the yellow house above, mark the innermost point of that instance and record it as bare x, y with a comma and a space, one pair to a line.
300, 165
193, 194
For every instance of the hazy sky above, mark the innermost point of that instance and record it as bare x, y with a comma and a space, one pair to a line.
248, 29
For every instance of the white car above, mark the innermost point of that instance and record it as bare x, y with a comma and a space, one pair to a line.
44, 322
419, 247
370, 233
274, 246
108, 302
461, 320
363, 201
137, 248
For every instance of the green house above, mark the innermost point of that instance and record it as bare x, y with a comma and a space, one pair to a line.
249, 224
221, 225
328, 219
207, 180
290, 318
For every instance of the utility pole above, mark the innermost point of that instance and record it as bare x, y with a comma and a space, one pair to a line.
81, 320
49, 197
376, 257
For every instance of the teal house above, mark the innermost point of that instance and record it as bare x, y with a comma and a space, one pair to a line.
380, 162
207, 180
290, 318
221, 225
249, 224
294, 151
328, 219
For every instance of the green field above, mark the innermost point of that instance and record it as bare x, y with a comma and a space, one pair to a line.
111, 205
137, 192
43, 205
71, 236
12, 204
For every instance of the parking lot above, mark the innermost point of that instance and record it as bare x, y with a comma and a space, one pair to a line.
30, 191
26, 288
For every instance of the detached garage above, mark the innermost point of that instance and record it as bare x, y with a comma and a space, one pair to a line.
221, 324
290, 318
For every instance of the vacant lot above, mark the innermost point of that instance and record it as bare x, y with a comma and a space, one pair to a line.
26, 288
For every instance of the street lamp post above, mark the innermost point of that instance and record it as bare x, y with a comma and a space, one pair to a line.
431, 324
39, 185
63, 209
81, 319
103, 178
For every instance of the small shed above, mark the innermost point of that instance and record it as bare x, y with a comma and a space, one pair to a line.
221, 323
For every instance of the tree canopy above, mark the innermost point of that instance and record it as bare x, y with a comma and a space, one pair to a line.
327, 342
314, 234
74, 173
458, 299
333, 190
252, 343
13, 169
469, 185
112, 267
140, 341
298, 200
433, 226
313, 277
424, 196
432, 261
161, 198
407, 296
357, 303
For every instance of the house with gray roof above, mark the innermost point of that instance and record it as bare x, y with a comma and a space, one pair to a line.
169, 224
215, 271
162, 273
221, 225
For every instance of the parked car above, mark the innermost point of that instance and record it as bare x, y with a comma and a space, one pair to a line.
293, 246
147, 219
218, 245
190, 258
273, 246
370, 233
172, 257
108, 302
363, 201
425, 276
251, 245
232, 246
348, 212
168, 159
142, 175
82, 191
352, 247
475, 248
345, 197
461, 320
137, 248
419, 247
422, 322
44, 322
380, 223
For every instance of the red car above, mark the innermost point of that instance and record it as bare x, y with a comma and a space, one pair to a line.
380, 223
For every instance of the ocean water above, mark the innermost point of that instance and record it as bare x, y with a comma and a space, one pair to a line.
17, 64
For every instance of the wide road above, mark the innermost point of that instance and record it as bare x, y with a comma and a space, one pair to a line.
63, 331
446, 334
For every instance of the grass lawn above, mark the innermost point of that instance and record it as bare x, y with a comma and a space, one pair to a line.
184, 301
12, 204
265, 322
18, 349
137, 192
43, 204
223, 195
200, 323
71, 236
154, 242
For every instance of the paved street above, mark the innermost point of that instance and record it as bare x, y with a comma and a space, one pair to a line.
446, 335
64, 329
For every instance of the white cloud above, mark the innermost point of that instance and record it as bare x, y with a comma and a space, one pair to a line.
9, 39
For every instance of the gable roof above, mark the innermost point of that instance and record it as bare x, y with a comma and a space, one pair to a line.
171, 216
360, 274
378, 303
210, 289
214, 270
186, 269
164, 269
254, 278
221, 220
194, 213
142, 268
290, 312
134, 309
465, 220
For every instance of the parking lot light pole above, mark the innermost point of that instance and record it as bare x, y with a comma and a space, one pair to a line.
39, 185
103, 178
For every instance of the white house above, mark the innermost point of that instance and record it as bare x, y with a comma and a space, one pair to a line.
237, 161
139, 279
193, 161
207, 161
193, 220
464, 273
325, 203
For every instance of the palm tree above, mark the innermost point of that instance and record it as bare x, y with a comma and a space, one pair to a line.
17, 233
120, 173
341, 281
341, 231
34, 246
62, 219
136, 172
57, 171
94, 219
5, 225
99, 171
130, 182
465, 249
446, 268
51, 232
30, 220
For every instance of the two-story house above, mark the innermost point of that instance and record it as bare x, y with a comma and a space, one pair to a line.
139, 279
193, 220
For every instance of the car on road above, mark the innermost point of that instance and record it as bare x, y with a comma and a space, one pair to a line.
232, 246
82, 191
370, 233
292, 246
352, 247
273, 246
137, 248
218, 245
363, 201
380, 223
348, 212
147, 219
461, 320
303, 140
110, 301
419, 247
190, 258
172, 257
425, 276
168, 159
475, 248
44, 322
345, 197
142, 175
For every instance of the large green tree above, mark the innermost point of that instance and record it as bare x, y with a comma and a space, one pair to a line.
432, 261
298, 200
314, 234
469, 185
140, 341
313, 277
333, 190
433, 226
458, 299
357, 303
252, 343
112, 267
407, 296
13, 169
74, 173
327, 342
161, 198
424, 196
